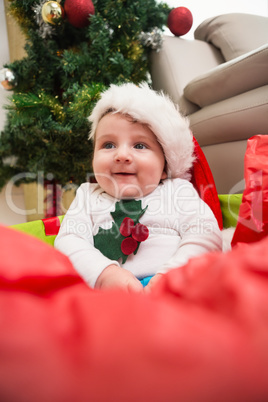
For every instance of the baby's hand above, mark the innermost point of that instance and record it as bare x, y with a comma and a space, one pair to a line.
116, 277
152, 283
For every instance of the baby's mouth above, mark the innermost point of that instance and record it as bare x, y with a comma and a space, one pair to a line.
124, 174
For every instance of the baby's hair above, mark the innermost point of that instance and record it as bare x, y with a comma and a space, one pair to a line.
114, 111
110, 110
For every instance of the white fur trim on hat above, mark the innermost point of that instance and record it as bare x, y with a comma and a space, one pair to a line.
160, 114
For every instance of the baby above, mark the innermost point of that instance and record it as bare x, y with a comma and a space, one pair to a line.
143, 217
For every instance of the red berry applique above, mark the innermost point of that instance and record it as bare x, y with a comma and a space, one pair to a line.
140, 232
134, 235
126, 227
129, 245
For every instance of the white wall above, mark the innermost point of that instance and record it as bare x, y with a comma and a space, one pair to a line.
204, 9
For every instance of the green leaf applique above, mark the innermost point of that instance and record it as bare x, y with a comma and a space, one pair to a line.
109, 241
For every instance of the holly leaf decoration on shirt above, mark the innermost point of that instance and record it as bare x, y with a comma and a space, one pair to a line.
109, 241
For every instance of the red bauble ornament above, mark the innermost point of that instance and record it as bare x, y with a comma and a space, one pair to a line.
126, 227
140, 232
78, 12
129, 245
180, 21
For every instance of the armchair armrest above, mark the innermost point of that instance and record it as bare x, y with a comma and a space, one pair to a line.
234, 34
229, 79
177, 63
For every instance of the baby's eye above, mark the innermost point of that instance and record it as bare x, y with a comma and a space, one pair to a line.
108, 145
140, 146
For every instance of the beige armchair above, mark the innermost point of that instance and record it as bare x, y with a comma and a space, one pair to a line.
220, 81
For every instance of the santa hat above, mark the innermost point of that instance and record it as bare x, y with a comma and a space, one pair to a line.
159, 113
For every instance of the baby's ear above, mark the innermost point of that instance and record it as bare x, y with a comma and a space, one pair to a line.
164, 173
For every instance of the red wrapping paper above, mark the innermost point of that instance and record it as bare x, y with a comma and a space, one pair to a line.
202, 335
252, 223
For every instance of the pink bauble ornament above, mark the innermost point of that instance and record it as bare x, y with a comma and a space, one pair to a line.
180, 21
78, 12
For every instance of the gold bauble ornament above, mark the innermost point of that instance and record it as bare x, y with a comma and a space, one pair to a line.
52, 12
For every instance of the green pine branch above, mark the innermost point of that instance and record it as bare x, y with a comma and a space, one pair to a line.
60, 79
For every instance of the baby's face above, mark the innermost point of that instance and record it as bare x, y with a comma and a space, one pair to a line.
128, 161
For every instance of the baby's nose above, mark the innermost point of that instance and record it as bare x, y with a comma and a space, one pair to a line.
123, 154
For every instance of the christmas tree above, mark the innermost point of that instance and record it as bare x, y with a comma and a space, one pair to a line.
74, 50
